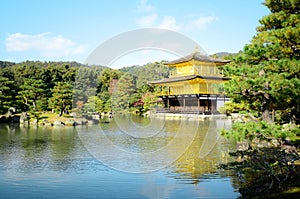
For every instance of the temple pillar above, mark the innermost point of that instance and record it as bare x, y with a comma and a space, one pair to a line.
198, 104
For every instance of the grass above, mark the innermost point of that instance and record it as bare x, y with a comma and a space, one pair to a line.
51, 117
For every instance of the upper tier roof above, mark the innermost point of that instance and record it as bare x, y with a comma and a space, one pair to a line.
199, 57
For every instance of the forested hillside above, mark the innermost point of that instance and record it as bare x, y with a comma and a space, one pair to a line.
35, 86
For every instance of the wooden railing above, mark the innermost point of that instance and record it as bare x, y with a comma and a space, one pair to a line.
186, 110
184, 92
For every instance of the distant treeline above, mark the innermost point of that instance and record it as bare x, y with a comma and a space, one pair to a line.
4, 64
35, 86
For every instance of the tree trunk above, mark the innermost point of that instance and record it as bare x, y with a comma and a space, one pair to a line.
265, 109
34, 105
26, 100
266, 116
60, 113
61, 110
293, 113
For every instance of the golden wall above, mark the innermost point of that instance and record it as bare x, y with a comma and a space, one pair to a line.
196, 86
197, 68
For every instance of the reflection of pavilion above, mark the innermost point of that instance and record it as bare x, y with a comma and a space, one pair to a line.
190, 170
204, 154
196, 85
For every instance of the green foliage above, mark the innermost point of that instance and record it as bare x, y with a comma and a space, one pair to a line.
264, 171
28, 85
234, 107
32, 94
61, 99
107, 84
95, 104
149, 100
106, 77
148, 72
143, 99
104, 103
265, 76
4, 64
124, 89
268, 161
265, 83
85, 85
259, 131
5, 94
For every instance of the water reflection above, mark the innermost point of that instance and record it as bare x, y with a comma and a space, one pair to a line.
123, 146
206, 152
52, 162
34, 149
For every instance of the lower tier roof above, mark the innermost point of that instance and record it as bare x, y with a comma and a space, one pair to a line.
188, 77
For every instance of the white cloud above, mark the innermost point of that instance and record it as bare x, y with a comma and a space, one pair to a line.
152, 19
202, 22
46, 44
147, 21
169, 22
144, 6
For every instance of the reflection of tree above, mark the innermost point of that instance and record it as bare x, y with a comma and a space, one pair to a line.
139, 134
34, 145
33, 149
8, 143
62, 143
190, 165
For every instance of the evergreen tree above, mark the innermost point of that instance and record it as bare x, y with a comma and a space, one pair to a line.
61, 99
85, 85
32, 92
103, 102
121, 97
5, 94
265, 76
108, 79
265, 83
94, 103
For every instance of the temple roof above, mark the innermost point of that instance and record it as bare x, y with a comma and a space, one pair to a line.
199, 57
188, 77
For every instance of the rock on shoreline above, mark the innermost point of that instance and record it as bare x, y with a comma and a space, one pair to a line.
25, 120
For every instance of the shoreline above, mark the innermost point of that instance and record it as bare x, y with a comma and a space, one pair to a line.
183, 116
52, 121
94, 119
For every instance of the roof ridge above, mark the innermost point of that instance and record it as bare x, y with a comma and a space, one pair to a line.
197, 56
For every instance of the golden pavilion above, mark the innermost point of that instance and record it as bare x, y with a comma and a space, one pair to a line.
195, 86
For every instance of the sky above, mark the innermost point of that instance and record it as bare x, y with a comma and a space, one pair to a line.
70, 30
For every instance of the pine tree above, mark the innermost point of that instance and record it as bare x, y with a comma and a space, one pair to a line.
125, 88
5, 94
61, 99
32, 94
265, 76
265, 82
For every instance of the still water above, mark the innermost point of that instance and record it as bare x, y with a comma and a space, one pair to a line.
129, 157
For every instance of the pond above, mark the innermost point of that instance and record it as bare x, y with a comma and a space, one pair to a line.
127, 157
